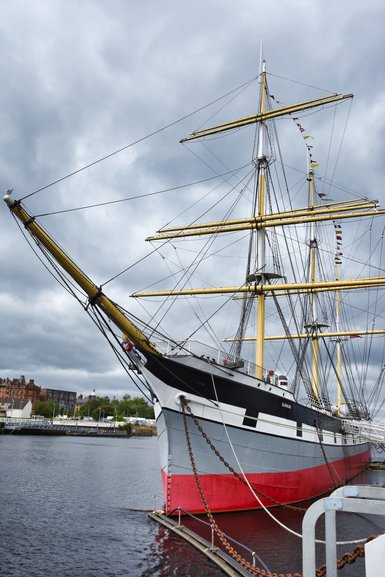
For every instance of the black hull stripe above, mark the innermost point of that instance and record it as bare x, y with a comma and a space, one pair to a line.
295, 439
191, 380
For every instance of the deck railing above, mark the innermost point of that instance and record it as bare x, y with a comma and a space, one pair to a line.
216, 356
365, 430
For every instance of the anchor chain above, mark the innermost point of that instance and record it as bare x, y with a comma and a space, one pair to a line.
228, 547
346, 559
319, 435
233, 471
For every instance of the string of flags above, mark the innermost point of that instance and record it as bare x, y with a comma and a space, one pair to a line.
323, 196
338, 233
313, 163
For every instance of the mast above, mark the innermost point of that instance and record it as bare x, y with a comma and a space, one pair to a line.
261, 240
338, 348
314, 311
339, 339
314, 326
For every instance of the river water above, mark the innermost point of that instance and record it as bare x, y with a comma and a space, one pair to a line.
76, 507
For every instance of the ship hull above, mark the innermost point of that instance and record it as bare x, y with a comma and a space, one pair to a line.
279, 470
238, 426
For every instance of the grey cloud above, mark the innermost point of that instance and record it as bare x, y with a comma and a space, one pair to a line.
81, 80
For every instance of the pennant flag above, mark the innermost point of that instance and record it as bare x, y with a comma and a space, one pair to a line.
338, 231
314, 164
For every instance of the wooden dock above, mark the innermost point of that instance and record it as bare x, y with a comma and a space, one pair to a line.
226, 563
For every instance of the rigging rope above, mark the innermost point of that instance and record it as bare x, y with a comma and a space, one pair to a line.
96, 205
94, 313
234, 90
347, 558
190, 270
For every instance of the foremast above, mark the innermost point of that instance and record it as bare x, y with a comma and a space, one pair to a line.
94, 293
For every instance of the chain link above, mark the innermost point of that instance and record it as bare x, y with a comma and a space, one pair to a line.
346, 559
319, 435
228, 547
235, 473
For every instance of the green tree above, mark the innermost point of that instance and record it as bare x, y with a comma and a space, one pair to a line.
46, 409
102, 407
104, 410
140, 408
90, 408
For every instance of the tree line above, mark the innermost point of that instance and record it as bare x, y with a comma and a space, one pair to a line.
99, 408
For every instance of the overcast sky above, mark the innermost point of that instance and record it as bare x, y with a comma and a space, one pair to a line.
83, 78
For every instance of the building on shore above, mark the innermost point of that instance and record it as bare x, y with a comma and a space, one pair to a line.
20, 389
84, 399
15, 408
65, 400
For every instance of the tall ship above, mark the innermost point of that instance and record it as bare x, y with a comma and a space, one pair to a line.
272, 410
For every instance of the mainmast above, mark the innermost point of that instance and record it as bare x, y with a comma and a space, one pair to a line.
258, 283
314, 326
261, 237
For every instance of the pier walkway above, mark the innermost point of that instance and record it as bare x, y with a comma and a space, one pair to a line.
61, 427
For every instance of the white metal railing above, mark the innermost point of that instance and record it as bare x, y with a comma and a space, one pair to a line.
366, 430
48, 423
360, 499
199, 349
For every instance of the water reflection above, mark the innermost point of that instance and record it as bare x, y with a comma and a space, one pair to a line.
278, 549
69, 506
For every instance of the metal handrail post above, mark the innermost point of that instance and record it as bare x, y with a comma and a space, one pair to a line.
308, 538
350, 499
331, 542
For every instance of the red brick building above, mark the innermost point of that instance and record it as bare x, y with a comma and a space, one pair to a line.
19, 389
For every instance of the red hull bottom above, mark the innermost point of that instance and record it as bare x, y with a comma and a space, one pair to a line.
226, 493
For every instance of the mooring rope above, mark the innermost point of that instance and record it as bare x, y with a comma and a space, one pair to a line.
347, 558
